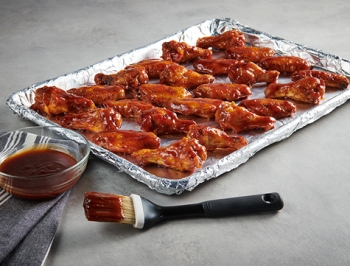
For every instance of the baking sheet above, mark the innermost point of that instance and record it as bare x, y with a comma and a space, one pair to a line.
157, 178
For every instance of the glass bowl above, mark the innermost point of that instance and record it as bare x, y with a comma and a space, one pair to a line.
28, 180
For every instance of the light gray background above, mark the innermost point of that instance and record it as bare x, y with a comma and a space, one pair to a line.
44, 39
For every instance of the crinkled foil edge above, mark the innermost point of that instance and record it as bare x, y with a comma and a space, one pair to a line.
20, 101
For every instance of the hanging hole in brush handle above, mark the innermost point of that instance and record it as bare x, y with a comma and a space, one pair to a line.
243, 205
269, 198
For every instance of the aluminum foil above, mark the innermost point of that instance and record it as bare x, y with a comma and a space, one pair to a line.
157, 178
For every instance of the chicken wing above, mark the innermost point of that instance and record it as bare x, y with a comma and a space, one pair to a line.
222, 91
159, 94
250, 73
269, 107
50, 100
225, 40
129, 107
162, 121
127, 78
203, 107
306, 90
99, 93
284, 64
185, 155
153, 66
331, 79
233, 117
181, 52
177, 75
125, 141
213, 66
96, 120
249, 53
214, 138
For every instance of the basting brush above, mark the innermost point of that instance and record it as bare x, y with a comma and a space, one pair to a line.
143, 214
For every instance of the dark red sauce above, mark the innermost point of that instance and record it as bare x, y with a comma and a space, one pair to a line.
37, 162
34, 167
102, 207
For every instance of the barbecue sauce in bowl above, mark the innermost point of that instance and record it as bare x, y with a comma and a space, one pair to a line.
36, 162
38, 173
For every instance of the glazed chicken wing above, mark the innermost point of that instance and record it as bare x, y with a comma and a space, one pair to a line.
306, 90
99, 93
50, 100
203, 107
181, 52
284, 64
153, 66
225, 40
250, 73
222, 91
177, 75
214, 138
125, 141
213, 66
185, 155
159, 94
269, 107
162, 121
129, 107
127, 78
233, 117
96, 120
249, 53
331, 79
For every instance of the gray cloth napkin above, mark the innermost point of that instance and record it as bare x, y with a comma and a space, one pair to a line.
27, 227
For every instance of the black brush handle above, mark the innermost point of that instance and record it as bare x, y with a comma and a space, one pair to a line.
213, 208
243, 205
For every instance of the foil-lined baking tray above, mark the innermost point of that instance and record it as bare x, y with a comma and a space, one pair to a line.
163, 180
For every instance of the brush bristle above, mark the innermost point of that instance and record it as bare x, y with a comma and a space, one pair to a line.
103, 207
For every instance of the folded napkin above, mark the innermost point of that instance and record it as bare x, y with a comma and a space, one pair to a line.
27, 227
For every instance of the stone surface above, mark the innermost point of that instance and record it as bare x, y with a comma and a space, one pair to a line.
40, 40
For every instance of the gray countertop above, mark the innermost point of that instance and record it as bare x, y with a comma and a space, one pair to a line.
44, 39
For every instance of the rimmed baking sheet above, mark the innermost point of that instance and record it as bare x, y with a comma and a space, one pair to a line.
157, 178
